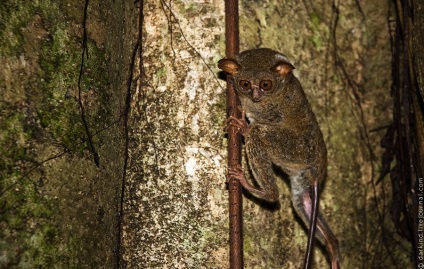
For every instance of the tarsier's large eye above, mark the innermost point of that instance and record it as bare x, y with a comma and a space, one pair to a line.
265, 85
244, 85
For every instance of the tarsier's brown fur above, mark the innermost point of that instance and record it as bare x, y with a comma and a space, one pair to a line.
280, 130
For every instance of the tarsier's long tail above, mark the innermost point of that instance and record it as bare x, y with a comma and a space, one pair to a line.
312, 225
304, 206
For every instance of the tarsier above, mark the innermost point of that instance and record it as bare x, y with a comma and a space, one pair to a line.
280, 131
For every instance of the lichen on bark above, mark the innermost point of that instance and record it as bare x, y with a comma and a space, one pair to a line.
54, 203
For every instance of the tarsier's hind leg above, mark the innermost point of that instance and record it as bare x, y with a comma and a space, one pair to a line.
303, 204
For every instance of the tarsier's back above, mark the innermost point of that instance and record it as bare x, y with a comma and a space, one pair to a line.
281, 130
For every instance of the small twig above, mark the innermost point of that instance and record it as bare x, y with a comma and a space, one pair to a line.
173, 19
137, 48
39, 164
234, 141
83, 55
32, 169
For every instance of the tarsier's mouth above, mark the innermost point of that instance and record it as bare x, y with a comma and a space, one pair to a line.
258, 99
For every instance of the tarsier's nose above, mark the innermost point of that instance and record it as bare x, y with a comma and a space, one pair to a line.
256, 93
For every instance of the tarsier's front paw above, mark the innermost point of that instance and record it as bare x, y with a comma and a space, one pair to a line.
240, 123
235, 173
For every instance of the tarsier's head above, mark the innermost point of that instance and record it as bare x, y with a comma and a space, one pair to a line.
257, 73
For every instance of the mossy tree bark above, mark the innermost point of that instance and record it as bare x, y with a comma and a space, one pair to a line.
155, 109
58, 209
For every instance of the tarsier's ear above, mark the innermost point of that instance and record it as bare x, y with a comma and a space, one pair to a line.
228, 65
283, 68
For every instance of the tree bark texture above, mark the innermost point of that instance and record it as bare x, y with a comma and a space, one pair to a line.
154, 107
58, 209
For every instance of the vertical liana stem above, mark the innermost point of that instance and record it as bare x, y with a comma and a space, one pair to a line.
234, 140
